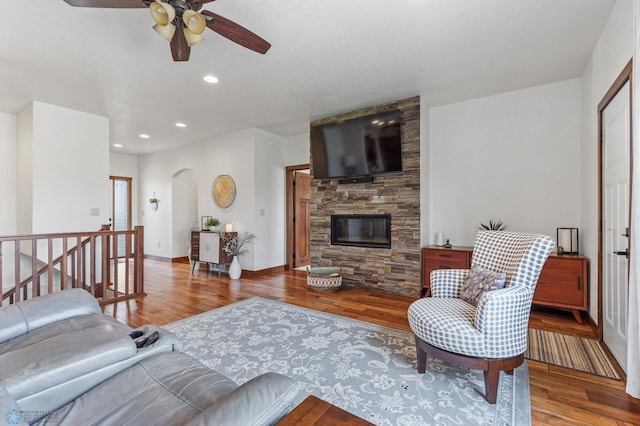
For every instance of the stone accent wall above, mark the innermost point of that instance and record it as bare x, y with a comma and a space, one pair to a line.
395, 270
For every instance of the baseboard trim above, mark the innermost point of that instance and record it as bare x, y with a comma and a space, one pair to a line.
261, 272
160, 258
245, 273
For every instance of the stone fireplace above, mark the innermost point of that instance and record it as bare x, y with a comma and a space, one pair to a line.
395, 266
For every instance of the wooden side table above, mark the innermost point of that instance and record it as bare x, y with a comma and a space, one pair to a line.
314, 411
563, 281
564, 284
442, 258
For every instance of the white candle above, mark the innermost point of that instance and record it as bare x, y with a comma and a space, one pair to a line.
229, 227
564, 239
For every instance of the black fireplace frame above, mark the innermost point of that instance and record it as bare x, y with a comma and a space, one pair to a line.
336, 241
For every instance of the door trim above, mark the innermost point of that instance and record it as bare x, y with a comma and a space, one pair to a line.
129, 181
290, 172
620, 81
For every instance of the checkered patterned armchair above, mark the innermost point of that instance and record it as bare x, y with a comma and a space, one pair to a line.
491, 336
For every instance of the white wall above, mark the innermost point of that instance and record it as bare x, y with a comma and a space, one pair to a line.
155, 172
258, 170
425, 155
270, 202
184, 199
24, 196
612, 52
8, 173
513, 156
296, 149
70, 160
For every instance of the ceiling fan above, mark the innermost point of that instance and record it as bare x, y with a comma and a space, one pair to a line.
181, 22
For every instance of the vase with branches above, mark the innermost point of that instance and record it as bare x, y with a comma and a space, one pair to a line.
236, 245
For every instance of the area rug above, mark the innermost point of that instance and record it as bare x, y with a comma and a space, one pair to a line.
576, 353
366, 369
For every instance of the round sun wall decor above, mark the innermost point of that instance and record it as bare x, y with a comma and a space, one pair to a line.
224, 191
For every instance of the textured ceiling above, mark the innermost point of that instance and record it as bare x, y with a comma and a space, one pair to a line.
328, 57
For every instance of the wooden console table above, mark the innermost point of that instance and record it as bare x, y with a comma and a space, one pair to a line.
208, 247
314, 411
563, 282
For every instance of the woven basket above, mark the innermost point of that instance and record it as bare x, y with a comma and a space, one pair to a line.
324, 283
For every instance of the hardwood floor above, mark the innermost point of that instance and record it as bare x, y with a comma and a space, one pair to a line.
559, 396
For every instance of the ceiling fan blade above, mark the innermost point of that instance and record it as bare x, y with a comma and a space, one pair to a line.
107, 3
197, 4
236, 33
180, 50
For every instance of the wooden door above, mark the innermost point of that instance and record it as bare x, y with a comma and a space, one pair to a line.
616, 177
301, 205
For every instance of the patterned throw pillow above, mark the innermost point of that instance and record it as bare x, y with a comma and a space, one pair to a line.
480, 280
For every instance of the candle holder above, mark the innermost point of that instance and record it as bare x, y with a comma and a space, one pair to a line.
567, 240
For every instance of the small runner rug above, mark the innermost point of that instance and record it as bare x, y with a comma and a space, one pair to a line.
576, 353
366, 369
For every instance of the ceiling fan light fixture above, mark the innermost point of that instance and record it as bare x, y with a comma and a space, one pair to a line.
162, 13
189, 18
194, 21
192, 38
166, 31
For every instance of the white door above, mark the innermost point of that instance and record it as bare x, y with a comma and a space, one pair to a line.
616, 156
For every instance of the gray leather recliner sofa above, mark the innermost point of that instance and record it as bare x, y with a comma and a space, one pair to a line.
63, 362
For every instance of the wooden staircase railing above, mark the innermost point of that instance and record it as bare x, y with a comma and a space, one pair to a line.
90, 260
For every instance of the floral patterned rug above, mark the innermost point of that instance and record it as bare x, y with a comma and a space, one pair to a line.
366, 369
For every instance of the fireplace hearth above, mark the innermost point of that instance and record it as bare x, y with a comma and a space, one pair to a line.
361, 230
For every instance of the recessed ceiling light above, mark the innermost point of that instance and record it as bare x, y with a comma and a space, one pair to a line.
143, 136
117, 145
210, 79
180, 124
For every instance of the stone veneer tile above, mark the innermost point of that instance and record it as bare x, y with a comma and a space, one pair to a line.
395, 270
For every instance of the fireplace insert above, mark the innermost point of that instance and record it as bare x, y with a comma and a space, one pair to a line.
361, 230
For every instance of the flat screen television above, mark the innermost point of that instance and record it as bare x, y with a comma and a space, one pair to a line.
362, 146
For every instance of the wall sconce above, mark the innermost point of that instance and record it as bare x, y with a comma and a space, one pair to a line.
567, 240
154, 202
229, 227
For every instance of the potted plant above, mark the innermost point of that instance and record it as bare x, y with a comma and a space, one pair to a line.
498, 225
237, 246
212, 224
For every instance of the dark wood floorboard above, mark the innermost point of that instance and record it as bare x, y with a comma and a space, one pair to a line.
559, 396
